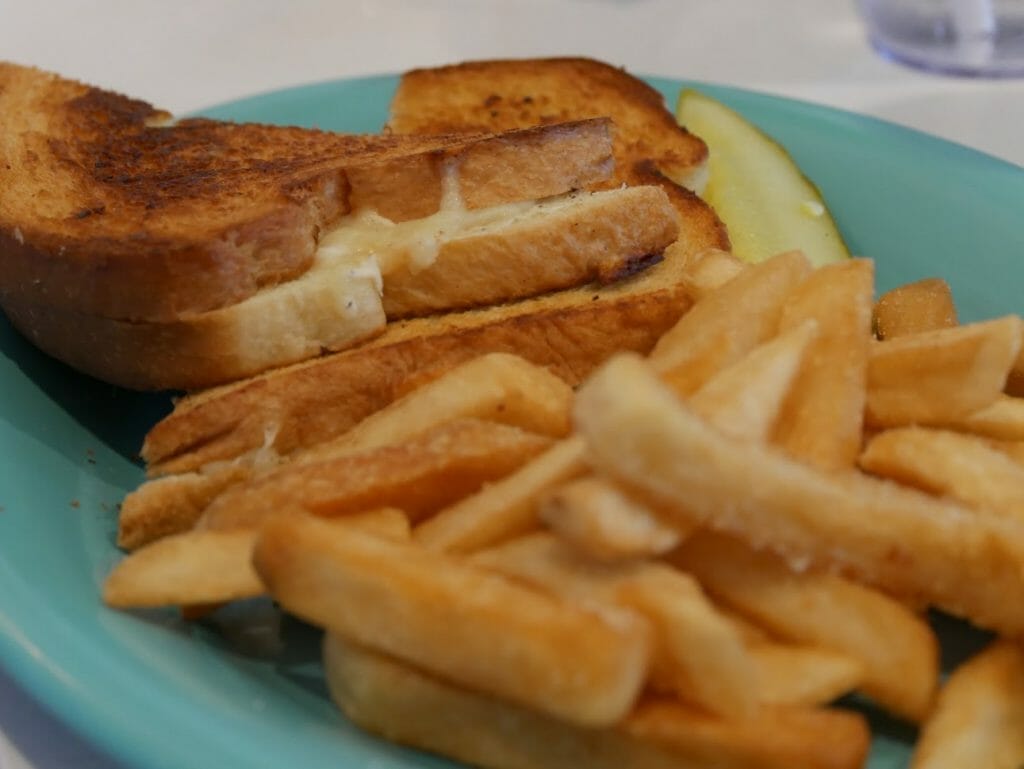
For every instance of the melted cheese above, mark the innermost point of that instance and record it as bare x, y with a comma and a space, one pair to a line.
451, 193
414, 245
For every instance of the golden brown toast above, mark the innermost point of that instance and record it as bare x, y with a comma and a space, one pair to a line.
570, 332
650, 146
499, 95
109, 210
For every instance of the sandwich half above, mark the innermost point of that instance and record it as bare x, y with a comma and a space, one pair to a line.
157, 254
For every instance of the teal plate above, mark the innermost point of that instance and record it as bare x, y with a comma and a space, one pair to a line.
157, 692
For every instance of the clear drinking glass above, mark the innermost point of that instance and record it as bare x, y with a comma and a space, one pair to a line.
983, 38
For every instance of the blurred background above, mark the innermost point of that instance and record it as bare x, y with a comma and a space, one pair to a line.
189, 54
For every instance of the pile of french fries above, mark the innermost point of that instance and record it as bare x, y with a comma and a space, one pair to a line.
683, 564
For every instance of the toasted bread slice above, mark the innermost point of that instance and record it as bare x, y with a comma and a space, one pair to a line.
110, 211
570, 332
499, 95
487, 256
650, 147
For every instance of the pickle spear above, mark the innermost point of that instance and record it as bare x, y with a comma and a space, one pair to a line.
765, 201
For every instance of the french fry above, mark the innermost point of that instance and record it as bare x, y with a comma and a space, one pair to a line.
400, 703
171, 504
419, 477
386, 522
698, 654
900, 539
804, 737
505, 508
466, 624
745, 398
898, 650
790, 674
934, 377
926, 305
496, 387
1002, 419
605, 522
189, 568
964, 467
1013, 449
202, 569
824, 416
795, 674
750, 631
728, 322
979, 718
708, 271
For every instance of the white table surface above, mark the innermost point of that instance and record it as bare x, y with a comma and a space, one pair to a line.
190, 53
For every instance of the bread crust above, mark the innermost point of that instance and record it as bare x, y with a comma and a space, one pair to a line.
109, 211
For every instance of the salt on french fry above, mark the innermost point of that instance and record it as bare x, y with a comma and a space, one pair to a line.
505, 508
897, 649
605, 522
745, 398
979, 718
466, 624
496, 387
698, 654
708, 271
961, 466
402, 704
925, 305
935, 377
900, 539
824, 416
729, 322
419, 477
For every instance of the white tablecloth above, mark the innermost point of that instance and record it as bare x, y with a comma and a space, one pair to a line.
193, 53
